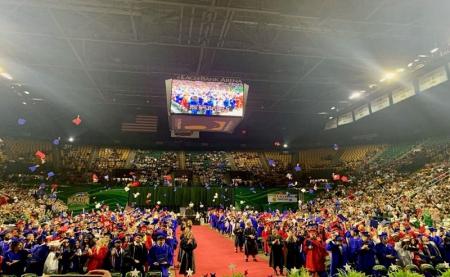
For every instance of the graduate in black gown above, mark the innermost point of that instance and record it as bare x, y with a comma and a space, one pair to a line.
239, 238
135, 255
250, 245
293, 251
276, 252
187, 245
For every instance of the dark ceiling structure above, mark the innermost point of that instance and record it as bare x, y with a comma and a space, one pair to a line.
106, 60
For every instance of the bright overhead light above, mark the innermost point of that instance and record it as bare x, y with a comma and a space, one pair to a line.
285, 145
434, 50
388, 76
330, 117
322, 113
355, 95
422, 56
6, 75
24, 103
333, 108
71, 139
26, 92
410, 64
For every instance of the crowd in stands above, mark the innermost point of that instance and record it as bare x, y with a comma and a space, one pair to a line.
76, 158
210, 167
18, 203
156, 164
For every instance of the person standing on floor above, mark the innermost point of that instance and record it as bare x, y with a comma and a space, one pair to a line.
250, 245
160, 256
187, 245
276, 252
136, 255
239, 238
294, 256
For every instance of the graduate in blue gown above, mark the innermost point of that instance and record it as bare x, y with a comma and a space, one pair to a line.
354, 243
160, 256
39, 253
365, 255
172, 242
338, 254
386, 253
14, 259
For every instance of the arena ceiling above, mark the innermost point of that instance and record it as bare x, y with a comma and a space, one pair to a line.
107, 59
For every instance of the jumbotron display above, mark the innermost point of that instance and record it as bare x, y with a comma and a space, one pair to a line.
207, 98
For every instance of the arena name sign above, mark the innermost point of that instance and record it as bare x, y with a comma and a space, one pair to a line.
281, 198
208, 79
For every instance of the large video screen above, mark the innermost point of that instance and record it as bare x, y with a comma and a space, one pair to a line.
207, 98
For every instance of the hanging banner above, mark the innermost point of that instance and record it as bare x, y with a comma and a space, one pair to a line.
361, 112
345, 118
403, 93
433, 78
380, 103
281, 198
331, 124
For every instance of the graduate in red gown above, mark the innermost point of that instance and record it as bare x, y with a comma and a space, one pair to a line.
97, 255
315, 253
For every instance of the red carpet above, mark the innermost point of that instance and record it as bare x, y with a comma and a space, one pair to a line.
215, 253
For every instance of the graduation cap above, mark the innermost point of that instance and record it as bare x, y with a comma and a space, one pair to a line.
271, 162
33, 168
297, 168
50, 174
40, 154
383, 235
432, 229
342, 218
77, 120
56, 141
365, 234
21, 121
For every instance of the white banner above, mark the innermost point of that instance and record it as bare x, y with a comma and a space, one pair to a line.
361, 112
433, 78
403, 93
345, 118
380, 103
281, 198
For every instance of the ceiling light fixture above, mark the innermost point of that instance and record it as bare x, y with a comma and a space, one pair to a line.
333, 108
6, 75
432, 51
355, 95
26, 92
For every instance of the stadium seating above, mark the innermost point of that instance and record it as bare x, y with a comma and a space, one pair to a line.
110, 158
358, 153
282, 160
76, 157
24, 150
247, 161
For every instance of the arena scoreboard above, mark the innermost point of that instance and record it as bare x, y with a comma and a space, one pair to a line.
205, 104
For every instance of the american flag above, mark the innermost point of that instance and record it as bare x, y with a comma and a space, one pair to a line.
142, 124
